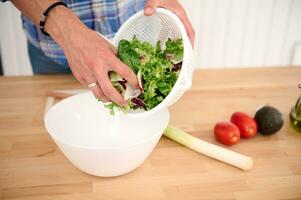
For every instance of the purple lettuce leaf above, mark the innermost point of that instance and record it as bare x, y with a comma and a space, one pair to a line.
138, 102
176, 67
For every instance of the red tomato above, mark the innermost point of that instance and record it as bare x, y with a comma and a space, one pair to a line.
246, 124
226, 133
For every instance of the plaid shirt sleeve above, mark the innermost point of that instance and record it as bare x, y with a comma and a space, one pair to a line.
104, 16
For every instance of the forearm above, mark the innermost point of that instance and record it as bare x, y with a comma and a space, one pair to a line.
60, 20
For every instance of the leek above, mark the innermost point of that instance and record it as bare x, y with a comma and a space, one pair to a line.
225, 155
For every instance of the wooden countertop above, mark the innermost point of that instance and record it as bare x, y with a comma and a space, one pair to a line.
32, 166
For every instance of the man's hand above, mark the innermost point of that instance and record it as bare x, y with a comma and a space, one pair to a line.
91, 58
89, 55
174, 6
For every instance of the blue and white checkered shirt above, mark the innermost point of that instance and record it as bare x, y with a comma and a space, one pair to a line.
104, 16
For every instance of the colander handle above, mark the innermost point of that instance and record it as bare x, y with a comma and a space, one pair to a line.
187, 82
187, 79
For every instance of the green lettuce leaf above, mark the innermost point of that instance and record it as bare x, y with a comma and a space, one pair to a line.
154, 64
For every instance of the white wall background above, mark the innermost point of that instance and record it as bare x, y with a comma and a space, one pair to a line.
13, 45
230, 33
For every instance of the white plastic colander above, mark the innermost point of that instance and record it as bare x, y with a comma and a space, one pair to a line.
163, 24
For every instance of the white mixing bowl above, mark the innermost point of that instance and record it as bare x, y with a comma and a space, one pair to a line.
97, 143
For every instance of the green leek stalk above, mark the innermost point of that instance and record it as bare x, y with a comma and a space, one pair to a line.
225, 155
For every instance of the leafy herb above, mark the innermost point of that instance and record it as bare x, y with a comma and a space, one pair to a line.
157, 70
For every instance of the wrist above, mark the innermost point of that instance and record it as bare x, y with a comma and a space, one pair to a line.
60, 23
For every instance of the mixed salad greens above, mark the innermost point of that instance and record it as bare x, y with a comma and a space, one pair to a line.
157, 70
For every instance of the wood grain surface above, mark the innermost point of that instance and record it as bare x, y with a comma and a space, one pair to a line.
32, 166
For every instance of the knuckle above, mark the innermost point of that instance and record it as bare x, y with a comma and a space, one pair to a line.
85, 73
94, 66
107, 90
79, 77
192, 31
193, 35
82, 81
180, 11
124, 70
90, 62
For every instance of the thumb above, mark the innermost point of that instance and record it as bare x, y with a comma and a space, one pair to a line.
150, 7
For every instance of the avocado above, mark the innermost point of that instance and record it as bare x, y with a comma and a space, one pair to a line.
269, 120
